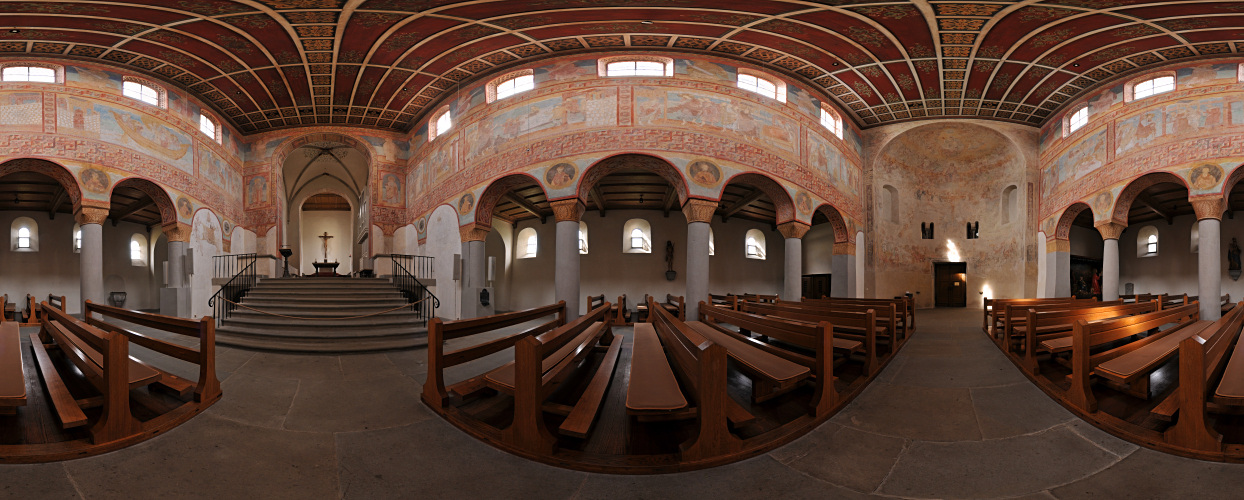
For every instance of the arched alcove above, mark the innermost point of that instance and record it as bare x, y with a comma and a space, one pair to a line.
326, 163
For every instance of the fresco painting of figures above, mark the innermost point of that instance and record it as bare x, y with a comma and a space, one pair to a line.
148, 135
22, 111
440, 164
826, 159
1206, 74
257, 191
219, 173
753, 124
1186, 117
573, 110
1138, 131
1082, 158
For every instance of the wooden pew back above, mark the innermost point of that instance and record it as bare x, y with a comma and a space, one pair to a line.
886, 312
904, 309
109, 374
728, 301
1039, 321
207, 388
853, 324
994, 308
1202, 361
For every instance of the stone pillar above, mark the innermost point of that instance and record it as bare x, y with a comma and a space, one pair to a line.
175, 297
1110, 232
842, 269
473, 269
92, 253
698, 213
1209, 255
1059, 265
566, 263
793, 283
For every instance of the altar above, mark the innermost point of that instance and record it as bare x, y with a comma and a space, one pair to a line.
325, 268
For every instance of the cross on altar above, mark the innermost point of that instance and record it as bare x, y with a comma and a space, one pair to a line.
325, 237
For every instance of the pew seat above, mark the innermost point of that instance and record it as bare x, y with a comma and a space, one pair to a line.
139, 373
502, 378
653, 388
12, 371
757, 361
1148, 357
1230, 390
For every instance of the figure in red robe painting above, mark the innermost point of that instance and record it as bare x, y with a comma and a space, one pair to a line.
1096, 285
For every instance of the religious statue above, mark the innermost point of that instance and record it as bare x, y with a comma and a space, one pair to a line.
325, 237
1233, 260
669, 255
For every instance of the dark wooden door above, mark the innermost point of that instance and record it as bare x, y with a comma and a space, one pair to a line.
816, 286
950, 287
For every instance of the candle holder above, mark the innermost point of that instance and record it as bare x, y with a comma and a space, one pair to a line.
286, 251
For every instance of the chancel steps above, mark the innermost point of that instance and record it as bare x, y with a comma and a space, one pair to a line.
323, 315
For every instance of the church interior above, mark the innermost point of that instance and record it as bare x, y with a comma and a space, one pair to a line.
621, 248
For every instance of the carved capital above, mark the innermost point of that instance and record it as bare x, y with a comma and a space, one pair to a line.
1057, 245
844, 248
388, 229
1109, 230
474, 232
1209, 208
793, 229
177, 232
91, 215
567, 210
697, 210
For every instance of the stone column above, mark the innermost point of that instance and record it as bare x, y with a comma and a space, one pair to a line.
1209, 255
175, 297
793, 283
566, 262
473, 269
92, 253
842, 269
1110, 232
1058, 253
698, 213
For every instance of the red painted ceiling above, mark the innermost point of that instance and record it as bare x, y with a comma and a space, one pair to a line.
383, 63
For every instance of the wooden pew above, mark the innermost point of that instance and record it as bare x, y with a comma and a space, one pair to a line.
207, 388
854, 331
728, 301
904, 309
1015, 316
541, 363
7, 310
774, 370
617, 314
1211, 377
752, 297
57, 301
435, 393
889, 320
701, 365
994, 309
1049, 331
103, 360
1182, 322
12, 370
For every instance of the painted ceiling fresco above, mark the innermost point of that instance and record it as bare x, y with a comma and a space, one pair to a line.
384, 63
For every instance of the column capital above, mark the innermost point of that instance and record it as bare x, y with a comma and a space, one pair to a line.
91, 215
1108, 230
1057, 245
1210, 207
793, 229
844, 248
177, 232
697, 210
474, 232
568, 210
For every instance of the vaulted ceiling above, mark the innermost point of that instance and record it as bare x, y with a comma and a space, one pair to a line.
382, 63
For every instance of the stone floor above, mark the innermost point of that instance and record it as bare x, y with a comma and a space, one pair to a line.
949, 418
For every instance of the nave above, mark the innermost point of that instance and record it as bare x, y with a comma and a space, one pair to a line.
949, 417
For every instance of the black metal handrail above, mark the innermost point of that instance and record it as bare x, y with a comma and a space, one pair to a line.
237, 286
423, 302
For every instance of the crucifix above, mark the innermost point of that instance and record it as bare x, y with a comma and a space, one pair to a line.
325, 237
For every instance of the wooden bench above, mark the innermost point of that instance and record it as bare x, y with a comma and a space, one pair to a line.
12, 370
1015, 316
1049, 331
728, 301
775, 370
701, 365
1211, 378
752, 297
1180, 321
854, 331
618, 314
103, 360
994, 309
674, 304
206, 389
889, 320
904, 311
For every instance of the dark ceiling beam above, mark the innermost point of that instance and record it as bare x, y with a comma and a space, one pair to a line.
525, 205
599, 199
746, 200
57, 200
132, 209
670, 196
1149, 203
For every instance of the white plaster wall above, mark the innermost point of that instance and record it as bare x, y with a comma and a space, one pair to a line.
1174, 269
205, 243
1087, 242
818, 249
336, 224
605, 269
1042, 267
54, 269
444, 241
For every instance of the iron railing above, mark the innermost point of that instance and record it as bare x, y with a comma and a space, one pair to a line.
246, 274
407, 269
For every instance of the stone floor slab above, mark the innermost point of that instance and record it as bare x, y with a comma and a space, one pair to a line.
760, 478
350, 405
40, 481
843, 456
264, 402
924, 413
1016, 409
1152, 474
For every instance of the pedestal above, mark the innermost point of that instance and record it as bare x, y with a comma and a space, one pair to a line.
325, 268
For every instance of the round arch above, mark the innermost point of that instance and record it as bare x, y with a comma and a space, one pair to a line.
282, 153
168, 212
608, 165
836, 221
1062, 231
51, 169
499, 187
1233, 178
783, 205
1129, 193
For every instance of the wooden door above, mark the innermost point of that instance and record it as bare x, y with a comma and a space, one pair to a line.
815, 286
950, 287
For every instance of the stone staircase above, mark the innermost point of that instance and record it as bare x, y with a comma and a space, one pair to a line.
319, 301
